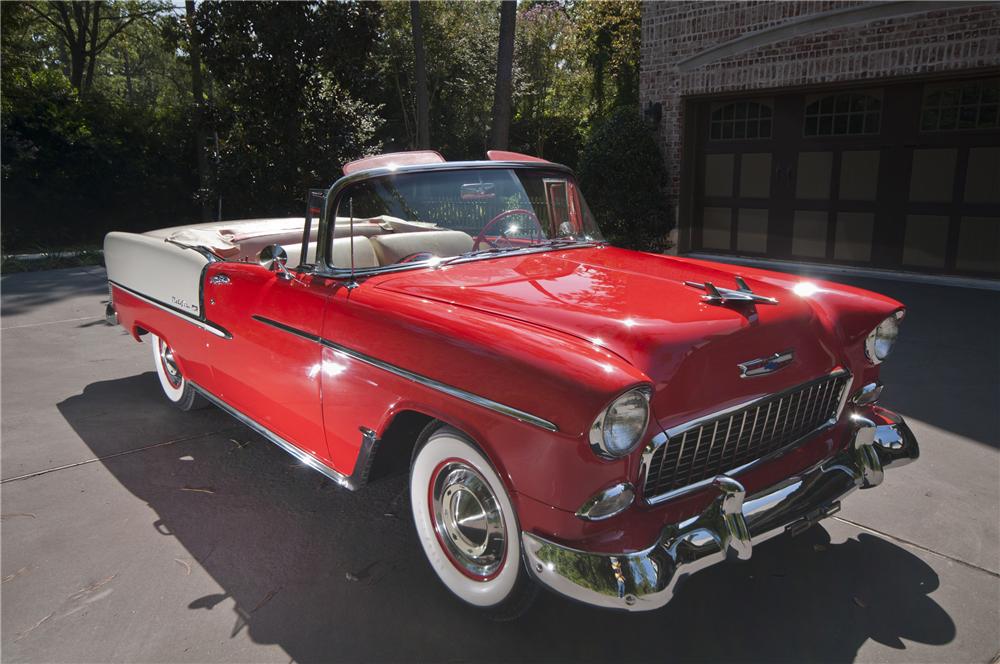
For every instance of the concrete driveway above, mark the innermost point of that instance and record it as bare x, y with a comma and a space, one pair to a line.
133, 532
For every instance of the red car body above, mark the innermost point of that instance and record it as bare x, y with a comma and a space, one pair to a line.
330, 365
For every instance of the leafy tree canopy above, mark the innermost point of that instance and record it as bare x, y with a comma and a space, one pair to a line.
101, 128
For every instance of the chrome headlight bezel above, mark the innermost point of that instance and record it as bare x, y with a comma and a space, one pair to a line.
601, 430
886, 332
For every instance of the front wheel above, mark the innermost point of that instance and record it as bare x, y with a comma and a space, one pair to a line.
175, 387
467, 526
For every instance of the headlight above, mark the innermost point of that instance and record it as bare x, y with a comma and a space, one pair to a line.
880, 341
619, 428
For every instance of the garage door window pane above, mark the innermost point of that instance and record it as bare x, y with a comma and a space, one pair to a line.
716, 226
809, 234
963, 105
979, 244
719, 175
926, 240
740, 120
812, 181
755, 175
859, 175
854, 237
982, 181
843, 114
751, 231
933, 175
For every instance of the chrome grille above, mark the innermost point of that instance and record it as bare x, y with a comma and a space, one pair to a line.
718, 445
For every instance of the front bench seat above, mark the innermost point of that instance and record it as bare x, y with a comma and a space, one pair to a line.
391, 248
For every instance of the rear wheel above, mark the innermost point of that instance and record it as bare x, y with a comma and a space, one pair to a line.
467, 526
175, 387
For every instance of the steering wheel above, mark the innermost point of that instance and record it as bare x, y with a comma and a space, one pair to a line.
503, 215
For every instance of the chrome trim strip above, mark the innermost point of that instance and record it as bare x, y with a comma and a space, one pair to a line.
661, 438
299, 454
205, 325
456, 392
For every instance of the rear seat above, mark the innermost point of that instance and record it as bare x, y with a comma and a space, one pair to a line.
364, 255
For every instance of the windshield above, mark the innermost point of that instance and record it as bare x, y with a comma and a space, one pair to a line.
414, 217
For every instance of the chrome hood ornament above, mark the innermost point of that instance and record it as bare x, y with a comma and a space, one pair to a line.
766, 365
717, 295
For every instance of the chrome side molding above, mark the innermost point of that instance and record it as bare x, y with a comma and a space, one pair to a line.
456, 392
362, 465
197, 322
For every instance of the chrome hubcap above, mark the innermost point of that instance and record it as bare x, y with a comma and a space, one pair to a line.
468, 519
169, 364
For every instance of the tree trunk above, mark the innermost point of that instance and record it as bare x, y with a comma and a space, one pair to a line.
423, 110
76, 41
198, 96
500, 135
95, 28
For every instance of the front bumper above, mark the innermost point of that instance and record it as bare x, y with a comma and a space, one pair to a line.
728, 529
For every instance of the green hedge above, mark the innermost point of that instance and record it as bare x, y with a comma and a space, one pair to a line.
622, 174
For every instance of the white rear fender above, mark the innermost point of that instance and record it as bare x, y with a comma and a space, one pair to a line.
156, 269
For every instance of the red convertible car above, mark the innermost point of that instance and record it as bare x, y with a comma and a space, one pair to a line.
571, 415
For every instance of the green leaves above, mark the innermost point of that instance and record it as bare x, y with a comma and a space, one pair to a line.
622, 174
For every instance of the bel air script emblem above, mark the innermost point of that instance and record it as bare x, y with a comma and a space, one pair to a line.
766, 365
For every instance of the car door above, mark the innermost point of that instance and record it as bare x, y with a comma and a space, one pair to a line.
270, 370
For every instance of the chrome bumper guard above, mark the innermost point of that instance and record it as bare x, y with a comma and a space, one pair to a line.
727, 530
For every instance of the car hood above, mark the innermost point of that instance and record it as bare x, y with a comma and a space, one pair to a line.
638, 306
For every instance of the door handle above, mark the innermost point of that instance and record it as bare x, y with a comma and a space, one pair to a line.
219, 280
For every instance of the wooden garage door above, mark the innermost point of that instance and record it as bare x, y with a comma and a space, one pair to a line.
900, 176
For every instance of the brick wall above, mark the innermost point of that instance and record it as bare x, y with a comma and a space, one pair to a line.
941, 40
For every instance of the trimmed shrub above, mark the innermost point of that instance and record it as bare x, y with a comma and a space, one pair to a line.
622, 175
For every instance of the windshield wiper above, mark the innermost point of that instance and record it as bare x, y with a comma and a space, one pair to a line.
554, 242
478, 252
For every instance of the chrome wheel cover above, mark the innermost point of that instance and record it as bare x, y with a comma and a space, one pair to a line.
468, 520
170, 365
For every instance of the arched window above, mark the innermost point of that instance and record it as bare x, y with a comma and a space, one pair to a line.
968, 105
740, 120
843, 114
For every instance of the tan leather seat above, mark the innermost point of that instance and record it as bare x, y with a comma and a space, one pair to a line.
391, 248
362, 228
364, 255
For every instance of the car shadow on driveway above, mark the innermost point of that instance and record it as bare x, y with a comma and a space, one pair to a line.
26, 292
328, 574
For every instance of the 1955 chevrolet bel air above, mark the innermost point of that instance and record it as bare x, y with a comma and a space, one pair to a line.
597, 421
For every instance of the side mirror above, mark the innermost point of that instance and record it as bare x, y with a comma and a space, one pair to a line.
273, 257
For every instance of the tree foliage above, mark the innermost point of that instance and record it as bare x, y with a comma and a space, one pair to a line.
287, 111
102, 122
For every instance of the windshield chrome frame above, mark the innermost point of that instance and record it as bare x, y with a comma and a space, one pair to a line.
323, 266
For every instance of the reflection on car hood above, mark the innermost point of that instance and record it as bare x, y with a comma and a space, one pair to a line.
639, 307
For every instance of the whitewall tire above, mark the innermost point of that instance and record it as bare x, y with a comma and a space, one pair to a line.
467, 526
175, 387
